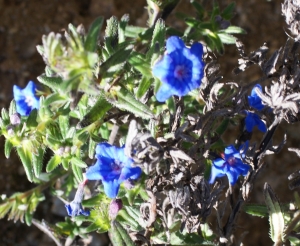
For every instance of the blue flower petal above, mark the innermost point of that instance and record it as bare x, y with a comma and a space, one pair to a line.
232, 174
254, 100
261, 126
93, 172
174, 43
250, 122
219, 162
164, 92
130, 173
111, 187
216, 172
197, 49
230, 151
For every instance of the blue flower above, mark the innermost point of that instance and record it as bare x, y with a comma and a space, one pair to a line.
254, 100
26, 100
180, 70
232, 165
75, 209
112, 168
253, 120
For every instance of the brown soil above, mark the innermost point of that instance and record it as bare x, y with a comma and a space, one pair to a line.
22, 24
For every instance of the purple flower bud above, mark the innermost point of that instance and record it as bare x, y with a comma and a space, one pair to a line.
114, 207
15, 119
10, 130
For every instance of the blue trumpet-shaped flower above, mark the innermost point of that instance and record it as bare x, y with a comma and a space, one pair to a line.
253, 120
112, 168
180, 70
26, 100
74, 208
232, 166
254, 100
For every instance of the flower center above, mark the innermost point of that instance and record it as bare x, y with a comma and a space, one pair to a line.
29, 101
231, 160
116, 166
180, 72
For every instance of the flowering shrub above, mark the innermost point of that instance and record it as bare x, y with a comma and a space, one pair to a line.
158, 168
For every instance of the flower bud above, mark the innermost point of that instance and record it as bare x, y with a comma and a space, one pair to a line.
114, 207
15, 119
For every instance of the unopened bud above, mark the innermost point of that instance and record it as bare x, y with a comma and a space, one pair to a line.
15, 119
10, 131
114, 207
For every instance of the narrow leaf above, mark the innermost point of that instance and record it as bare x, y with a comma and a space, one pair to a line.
127, 101
25, 157
90, 43
227, 38
77, 173
144, 85
7, 148
37, 161
53, 163
76, 161
276, 217
52, 82
124, 234
95, 113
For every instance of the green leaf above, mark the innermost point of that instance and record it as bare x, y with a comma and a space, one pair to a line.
56, 98
4, 208
4, 114
127, 101
227, 38
79, 163
26, 159
100, 217
134, 31
144, 85
111, 34
64, 125
100, 198
53, 163
37, 162
216, 41
115, 62
92, 147
276, 217
199, 8
12, 108
96, 113
234, 29
7, 148
256, 210
122, 27
124, 234
90, 43
227, 13
158, 41
52, 82
77, 173
139, 62
222, 127
31, 121
129, 220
